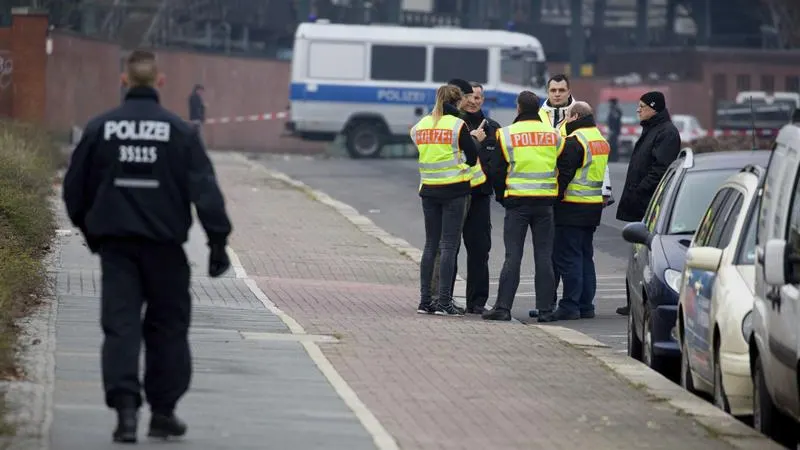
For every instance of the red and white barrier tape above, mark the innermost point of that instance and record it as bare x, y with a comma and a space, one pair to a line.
250, 118
636, 131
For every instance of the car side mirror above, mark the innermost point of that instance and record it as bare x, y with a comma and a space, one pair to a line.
704, 258
776, 269
637, 233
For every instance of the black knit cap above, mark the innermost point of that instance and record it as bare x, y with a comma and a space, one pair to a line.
464, 85
655, 100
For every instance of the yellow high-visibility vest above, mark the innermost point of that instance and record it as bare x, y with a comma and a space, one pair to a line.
477, 174
587, 184
441, 161
531, 149
549, 121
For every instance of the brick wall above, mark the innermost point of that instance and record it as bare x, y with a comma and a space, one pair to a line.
80, 77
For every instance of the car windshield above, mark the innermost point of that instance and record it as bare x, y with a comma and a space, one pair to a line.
694, 196
747, 252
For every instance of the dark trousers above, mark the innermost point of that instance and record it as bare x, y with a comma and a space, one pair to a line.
136, 273
613, 143
478, 242
574, 264
443, 223
515, 230
435, 282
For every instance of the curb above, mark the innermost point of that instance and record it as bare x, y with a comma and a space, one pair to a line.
718, 423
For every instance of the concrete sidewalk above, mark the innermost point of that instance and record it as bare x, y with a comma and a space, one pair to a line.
439, 382
254, 384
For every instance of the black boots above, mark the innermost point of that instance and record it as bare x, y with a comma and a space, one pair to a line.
162, 426
127, 421
165, 426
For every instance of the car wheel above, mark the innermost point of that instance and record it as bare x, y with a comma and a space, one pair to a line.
634, 343
365, 140
648, 356
686, 368
720, 398
767, 418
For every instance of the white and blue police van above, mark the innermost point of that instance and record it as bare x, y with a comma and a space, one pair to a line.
372, 83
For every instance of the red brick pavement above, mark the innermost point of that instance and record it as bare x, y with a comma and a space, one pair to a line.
433, 382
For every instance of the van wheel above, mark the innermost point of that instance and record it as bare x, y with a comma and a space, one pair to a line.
767, 418
365, 140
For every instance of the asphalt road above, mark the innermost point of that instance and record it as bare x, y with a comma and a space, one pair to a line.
385, 190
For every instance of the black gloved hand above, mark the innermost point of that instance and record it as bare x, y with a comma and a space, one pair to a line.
218, 261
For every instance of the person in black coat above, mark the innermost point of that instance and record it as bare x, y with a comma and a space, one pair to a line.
656, 149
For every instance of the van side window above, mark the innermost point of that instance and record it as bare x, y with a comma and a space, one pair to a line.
471, 64
793, 233
384, 65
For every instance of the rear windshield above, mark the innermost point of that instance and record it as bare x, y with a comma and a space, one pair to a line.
694, 196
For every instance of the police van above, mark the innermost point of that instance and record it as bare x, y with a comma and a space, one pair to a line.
371, 83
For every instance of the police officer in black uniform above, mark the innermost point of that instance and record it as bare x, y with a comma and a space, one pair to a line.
130, 186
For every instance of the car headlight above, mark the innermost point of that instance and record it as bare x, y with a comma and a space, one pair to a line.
673, 279
747, 325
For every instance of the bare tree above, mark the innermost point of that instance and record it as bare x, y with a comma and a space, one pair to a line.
786, 20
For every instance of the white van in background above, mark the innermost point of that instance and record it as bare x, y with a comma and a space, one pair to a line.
372, 83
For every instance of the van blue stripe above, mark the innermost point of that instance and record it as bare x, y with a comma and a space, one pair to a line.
385, 95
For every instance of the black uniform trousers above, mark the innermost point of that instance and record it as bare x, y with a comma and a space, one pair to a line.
540, 219
136, 272
478, 242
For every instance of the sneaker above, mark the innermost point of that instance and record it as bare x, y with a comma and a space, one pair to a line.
448, 310
623, 310
587, 314
425, 308
563, 314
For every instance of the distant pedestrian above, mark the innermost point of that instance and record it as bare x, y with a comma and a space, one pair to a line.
197, 106
581, 169
446, 154
614, 122
657, 147
526, 185
130, 187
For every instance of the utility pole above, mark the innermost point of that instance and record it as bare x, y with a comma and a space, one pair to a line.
577, 38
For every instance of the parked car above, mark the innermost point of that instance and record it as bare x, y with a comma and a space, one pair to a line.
774, 345
716, 297
655, 265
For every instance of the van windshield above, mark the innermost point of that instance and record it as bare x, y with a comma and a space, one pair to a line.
522, 68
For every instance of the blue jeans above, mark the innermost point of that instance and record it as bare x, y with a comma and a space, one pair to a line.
444, 219
574, 263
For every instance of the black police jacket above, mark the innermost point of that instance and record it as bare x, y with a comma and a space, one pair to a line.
136, 172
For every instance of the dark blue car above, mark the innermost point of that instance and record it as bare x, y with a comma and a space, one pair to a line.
659, 249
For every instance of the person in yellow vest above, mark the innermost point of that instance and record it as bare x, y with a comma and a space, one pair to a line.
447, 154
526, 185
581, 172
555, 111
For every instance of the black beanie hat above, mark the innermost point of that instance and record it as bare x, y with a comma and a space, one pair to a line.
655, 100
464, 85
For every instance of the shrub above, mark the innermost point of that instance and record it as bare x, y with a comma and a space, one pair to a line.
28, 161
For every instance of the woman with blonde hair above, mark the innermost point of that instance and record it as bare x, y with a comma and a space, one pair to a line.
446, 153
